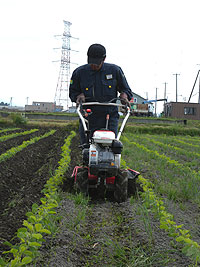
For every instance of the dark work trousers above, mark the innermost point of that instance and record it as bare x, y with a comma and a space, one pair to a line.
97, 122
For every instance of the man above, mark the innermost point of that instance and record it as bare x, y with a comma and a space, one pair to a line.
99, 82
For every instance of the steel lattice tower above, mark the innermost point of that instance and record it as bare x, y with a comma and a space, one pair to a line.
62, 88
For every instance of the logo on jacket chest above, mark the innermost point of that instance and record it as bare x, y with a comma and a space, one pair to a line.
109, 77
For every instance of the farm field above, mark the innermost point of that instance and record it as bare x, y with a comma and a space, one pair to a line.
158, 226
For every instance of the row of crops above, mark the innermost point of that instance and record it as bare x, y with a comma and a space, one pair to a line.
170, 168
169, 189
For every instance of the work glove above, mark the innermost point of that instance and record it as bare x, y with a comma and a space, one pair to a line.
124, 99
80, 98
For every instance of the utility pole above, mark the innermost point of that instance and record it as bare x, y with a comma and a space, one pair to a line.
156, 102
165, 96
199, 86
165, 91
199, 90
194, 86
176, 86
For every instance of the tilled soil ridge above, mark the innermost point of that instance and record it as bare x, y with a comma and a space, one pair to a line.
22, 179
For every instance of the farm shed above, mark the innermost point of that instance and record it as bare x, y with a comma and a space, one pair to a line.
182, 110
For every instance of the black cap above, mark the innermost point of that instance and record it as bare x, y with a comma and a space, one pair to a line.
96, 54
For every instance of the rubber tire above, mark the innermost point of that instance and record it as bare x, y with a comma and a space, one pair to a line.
121, 186
81, 184
101, 190
131, 187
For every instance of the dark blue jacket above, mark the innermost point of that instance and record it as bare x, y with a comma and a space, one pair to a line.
100, 86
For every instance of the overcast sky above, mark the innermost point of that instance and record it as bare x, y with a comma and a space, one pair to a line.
150, 40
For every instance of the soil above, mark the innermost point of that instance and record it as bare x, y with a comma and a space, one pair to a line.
23, 177
109, 233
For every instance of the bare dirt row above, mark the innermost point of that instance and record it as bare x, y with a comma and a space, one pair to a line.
23, 177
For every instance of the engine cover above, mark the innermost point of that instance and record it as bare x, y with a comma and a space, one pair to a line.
102, 160
104, 137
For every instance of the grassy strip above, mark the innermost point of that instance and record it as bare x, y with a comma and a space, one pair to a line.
183, 181
191, 157
183, 142
64, 114
11, 152
193, 139
169, 160
9, 136
41, 220
180, 150
155, 203
168, 130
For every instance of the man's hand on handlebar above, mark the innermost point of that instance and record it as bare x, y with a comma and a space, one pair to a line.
80, 99
124, 99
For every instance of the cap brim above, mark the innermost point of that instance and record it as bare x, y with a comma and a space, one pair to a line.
96, 61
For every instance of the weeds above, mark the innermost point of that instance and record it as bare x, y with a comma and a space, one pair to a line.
134, 256
18, 119
144, 212
177, 181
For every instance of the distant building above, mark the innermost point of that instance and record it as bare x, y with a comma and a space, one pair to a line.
138, 108
182, 110
43, 107
137, 99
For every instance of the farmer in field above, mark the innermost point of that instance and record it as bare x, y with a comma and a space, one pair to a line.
98, 81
